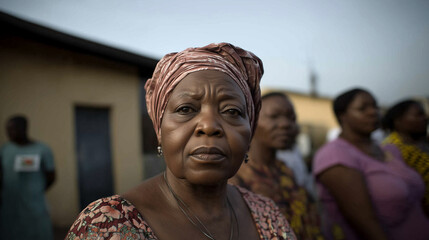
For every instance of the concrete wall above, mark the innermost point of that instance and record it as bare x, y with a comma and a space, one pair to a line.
46, 83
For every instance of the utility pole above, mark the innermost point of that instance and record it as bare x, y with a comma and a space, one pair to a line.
313, 83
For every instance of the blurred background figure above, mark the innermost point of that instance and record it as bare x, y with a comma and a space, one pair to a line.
27, 171
294, 160
265, 174
407, 123
366, 192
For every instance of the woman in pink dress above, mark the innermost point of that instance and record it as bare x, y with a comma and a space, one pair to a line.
366, 192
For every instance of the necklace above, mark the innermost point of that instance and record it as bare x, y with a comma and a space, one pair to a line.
195, 220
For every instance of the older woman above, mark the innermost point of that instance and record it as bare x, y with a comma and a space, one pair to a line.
406, 122
367, 192
266, 175
204, 103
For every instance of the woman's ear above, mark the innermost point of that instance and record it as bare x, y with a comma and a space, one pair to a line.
341, 119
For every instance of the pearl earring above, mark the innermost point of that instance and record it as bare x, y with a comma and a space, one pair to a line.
159, 151
246, 158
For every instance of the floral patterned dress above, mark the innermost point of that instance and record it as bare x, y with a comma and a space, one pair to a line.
294, 201
116, 218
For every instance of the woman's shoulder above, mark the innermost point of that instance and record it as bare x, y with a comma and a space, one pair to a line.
267, 216
255, 200
110, 217
336, 145
336, 152
392, 138
333, 148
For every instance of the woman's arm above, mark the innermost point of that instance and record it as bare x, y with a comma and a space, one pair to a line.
349, 189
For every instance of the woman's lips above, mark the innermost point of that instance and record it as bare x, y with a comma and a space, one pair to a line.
284, 136
208, 154
208, 157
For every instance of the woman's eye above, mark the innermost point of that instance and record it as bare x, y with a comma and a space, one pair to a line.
291, 118
361, 109
184, 110
233, 112
273, 116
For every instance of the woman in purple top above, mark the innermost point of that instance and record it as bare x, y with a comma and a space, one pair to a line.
366, 192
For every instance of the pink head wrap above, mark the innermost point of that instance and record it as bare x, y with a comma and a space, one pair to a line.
242, 66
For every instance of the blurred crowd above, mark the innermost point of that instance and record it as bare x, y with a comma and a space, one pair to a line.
370, 180
362, 185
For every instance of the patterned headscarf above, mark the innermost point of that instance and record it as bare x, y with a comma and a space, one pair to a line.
242, 66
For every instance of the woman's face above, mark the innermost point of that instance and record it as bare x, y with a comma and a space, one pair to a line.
414, 120
277, 126
205, 131
362, 114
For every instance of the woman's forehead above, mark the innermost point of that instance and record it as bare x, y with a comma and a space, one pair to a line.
362, 97
276, 101
199, 83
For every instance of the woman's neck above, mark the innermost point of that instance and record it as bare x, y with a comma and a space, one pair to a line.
358, 140
203, 199
261, 156
365, 144
416, 140
410, 138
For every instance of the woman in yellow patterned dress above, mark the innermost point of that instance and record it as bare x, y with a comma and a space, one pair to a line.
407, 123
270, 177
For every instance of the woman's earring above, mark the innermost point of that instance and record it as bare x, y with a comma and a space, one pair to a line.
246, 158
159, 151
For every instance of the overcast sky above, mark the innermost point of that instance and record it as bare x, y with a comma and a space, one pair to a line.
380, 45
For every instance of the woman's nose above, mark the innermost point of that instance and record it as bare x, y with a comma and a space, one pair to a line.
373, 111
208, 124
285, 122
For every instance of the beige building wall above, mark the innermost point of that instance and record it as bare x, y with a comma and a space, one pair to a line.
46, 83
315, 116
313, 110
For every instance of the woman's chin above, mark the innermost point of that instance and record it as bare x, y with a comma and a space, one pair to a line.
208, 178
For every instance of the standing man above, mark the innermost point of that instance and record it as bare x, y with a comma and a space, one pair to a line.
26, 172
